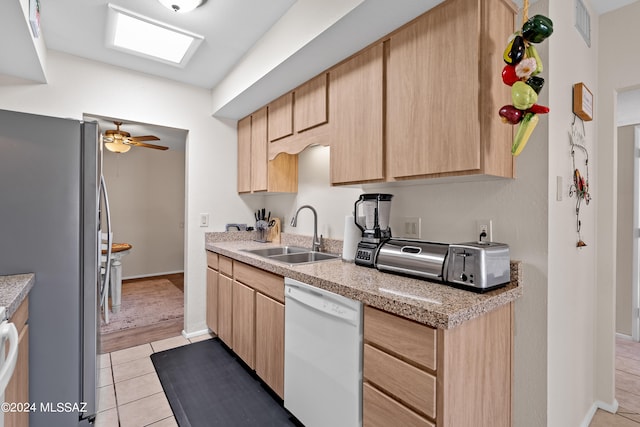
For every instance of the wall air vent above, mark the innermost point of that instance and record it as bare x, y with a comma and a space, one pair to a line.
583, 22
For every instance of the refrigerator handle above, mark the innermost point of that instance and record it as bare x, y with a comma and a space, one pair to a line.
105, 197
8, 331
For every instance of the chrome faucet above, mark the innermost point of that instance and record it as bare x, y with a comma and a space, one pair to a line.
317, 242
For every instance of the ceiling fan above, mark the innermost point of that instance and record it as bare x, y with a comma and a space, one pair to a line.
120, 141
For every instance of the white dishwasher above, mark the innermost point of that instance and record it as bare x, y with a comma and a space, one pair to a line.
322, 356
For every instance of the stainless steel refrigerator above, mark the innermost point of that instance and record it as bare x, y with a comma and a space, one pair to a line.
49, 225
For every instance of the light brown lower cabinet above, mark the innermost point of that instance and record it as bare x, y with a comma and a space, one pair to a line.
467, 383
212, 300
244, 323
225, 308
17, 390
245, 307
270, 342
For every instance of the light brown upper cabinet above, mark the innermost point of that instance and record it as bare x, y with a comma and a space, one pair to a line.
444, 91
244, 155
310, 104
256, 173
419, 103
299, 110
356, 117
298, 119
259, 153
281, 117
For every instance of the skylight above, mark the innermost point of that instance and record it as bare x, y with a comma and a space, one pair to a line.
138, 35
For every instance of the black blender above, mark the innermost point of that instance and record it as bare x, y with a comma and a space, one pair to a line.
372, 213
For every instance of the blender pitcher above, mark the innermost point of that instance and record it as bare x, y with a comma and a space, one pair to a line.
372, 212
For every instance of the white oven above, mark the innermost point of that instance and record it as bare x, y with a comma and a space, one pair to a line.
8, 333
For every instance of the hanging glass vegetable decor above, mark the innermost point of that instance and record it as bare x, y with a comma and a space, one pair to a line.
521, 73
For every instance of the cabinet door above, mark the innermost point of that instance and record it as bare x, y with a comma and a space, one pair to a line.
225, 307
270, 342
433, 93
212, 300
281, 117
244, 155
244, 323
310, 106
356, 117
259, 153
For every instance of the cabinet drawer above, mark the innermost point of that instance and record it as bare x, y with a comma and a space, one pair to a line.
379, 410
212, 260
410, 385
262, 281
225, 266
405, 338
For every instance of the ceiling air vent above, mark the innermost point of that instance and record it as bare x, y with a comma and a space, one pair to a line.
583, 22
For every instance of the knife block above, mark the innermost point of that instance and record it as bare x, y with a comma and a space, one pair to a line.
274, 232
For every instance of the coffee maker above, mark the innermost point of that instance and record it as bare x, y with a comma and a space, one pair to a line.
372, 213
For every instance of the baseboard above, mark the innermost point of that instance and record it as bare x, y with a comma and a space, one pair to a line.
142, 276
624, 336
195, 334
598, 404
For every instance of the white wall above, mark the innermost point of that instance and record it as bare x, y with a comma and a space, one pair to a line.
76, 86
147, 200
572, 286
617, 71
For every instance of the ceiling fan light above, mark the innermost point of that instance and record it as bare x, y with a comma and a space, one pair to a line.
181, 6
117, 147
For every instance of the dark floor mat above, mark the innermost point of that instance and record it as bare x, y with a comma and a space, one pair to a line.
207, 386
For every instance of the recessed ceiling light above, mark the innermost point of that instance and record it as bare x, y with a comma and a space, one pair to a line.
136, 34
182, 6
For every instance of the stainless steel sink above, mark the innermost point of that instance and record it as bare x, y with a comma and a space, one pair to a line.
281, 250
292, 254
304, 257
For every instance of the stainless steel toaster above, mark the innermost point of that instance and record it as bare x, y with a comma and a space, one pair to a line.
481, 266
474, 266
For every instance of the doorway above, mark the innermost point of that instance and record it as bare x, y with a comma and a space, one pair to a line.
146, 188
628, 217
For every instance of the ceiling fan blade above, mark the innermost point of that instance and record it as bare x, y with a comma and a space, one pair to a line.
142, 144
144, 138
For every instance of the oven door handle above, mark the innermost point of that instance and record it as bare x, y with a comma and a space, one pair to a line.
8, 331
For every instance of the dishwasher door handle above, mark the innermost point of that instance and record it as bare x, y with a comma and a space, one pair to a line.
322, 303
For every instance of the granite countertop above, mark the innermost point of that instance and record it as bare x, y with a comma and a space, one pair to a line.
433, 304
14, 289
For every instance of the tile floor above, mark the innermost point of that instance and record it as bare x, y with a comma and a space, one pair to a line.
627, 388
130, 393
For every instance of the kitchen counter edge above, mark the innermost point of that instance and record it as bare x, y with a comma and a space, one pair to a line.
13, 290
433, 304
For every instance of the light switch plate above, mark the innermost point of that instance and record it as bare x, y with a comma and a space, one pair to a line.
204, 220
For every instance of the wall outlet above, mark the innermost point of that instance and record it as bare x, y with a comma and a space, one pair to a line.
411, 227
484, 226
204, 220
